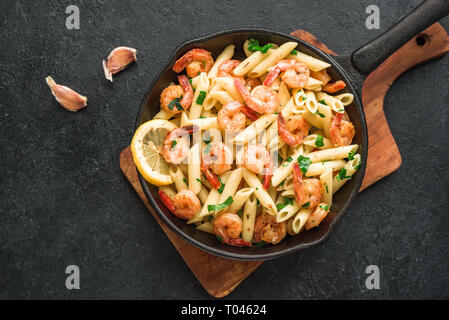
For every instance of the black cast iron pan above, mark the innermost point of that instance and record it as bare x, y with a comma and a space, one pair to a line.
352, 70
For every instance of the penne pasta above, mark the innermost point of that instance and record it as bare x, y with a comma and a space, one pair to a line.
199, 96
254, 129
253, 181
240, 198
249, 217
326, 183
227, 54
194, 162
274, 57
312, 63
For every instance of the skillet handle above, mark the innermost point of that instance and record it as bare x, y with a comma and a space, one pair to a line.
372, 54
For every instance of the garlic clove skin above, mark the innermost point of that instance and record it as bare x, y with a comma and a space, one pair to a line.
119, 58
67, 98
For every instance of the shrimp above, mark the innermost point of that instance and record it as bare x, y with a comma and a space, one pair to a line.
308, 191
228, 227
233, 116
216, 159
257, 158
175, 146
185, 204
226, 67
251, 83
262, 99
176, 98
317, 216
293, 130
322, 75
334, 86
296, 74
341, 131
267, 229
194, 61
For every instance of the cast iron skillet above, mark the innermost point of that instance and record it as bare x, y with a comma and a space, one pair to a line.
350, 70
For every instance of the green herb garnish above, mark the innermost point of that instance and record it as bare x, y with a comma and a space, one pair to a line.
253, 46
319, 142
199, 180
306, 205
304, 98
222, 186
219, 238
221, 206
175, 103
323, 102
319, 114
289, 159
324, 207
173, 144
259, 244
287, 202
294, 52
327, 189
351, 155
185, 181
201, 97
304, 163
342, 175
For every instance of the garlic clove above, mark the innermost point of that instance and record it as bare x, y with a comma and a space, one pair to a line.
118, 59
66, 97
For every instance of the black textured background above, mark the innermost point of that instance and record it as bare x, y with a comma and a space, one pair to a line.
64, 200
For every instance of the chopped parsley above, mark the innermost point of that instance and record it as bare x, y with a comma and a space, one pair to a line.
319, 114
357, 166
201, 117
327, 189
173, 144
294, 52
319, 142
351, 155
219, 238
222, 186
185, 181
304, 98
201, 97
304, 163
175, 103
341, 110
253, 46
323, 102
287, 202
306, 205
342, 175
199, 180
282, 183
221, 206
289, 159
324, 207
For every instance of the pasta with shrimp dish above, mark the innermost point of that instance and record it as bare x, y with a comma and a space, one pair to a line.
253, 150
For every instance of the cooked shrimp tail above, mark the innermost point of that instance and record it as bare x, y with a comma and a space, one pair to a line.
228, 227
297, 183
239, 242
166, 200
249, 113
211, 177
173, 152
266, 181
334, 87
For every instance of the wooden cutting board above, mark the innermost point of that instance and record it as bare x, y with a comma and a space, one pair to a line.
220, 276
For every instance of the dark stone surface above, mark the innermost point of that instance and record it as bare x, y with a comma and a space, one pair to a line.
64, 200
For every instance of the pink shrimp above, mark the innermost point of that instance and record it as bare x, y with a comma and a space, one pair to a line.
257, 158
296, 74
294, 130
176, 98
176, 152
334, 87
267, 229
317, 216
228, 227
262, 99
232, 116
307, 191
185, 204
341, 131
194, 61
216, 159
226, 67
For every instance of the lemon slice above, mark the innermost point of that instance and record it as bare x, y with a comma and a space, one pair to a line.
146, 147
